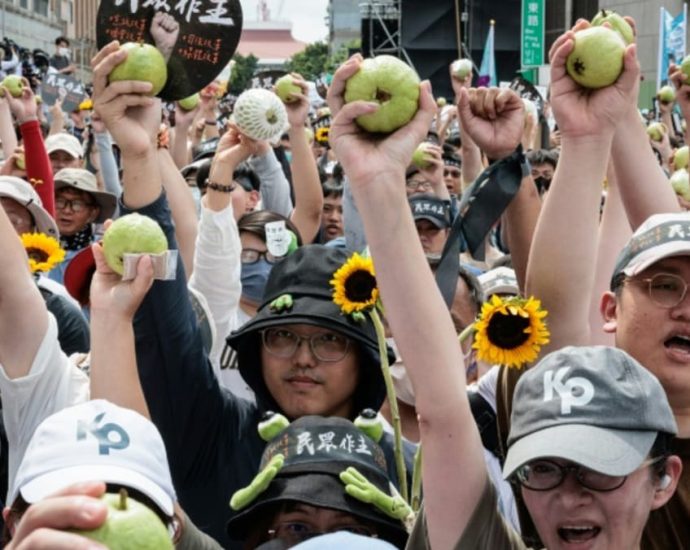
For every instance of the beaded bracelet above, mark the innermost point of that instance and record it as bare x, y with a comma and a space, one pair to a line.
222, 188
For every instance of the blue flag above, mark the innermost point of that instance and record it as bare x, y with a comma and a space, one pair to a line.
487, 72
671, 42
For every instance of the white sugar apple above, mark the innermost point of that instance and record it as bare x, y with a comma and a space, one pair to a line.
260, 114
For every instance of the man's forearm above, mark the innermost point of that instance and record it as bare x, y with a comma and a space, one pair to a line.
141, 179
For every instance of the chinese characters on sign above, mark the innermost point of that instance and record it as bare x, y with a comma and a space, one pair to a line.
532, 42
214, 11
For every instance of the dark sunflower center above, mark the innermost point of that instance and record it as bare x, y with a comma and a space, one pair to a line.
359, 286
37, 255
507, 331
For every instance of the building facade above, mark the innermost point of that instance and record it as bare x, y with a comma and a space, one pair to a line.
344, 23
36, 23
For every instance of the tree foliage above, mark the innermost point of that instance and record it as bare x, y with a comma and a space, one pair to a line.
242, 72
310, 62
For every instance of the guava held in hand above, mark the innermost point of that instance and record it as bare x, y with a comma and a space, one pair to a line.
461, 68
681, 158
596, 60
393, 85
666, 94
132, 234
680, 181
421, 157
144, 62
656, 131
14, 84
130, 526
685, 67
617, 22
286, 90
189, 103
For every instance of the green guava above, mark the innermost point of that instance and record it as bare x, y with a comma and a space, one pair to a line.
14, 84
132, 234
143, 62
685, 67
680, 181
286, 90
461, 68
441, 102
421, 157
596, 60
656, 131
666, 94
189, 103
681, 158
392, 84
617, 22
130, 526
20, 162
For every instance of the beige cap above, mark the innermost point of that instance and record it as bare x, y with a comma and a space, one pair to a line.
22, 192
83, 180
64, 142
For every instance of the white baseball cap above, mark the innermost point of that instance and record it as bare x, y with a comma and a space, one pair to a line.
21, 191
95, 441
64, 142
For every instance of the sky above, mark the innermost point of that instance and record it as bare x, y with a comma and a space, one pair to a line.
307, 16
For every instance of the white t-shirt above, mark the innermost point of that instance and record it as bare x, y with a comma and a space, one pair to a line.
52, 384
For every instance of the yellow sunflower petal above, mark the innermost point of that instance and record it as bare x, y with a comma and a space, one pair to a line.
47, 248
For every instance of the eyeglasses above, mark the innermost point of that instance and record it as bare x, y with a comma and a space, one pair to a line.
416, 184
328, 347
76, 205
251, 256
294, 532
544, 475
665, 289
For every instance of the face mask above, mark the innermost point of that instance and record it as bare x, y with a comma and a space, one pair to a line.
288, 156
64, 52
254, 277
542, 183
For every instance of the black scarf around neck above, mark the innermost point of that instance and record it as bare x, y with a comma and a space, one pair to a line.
81, 239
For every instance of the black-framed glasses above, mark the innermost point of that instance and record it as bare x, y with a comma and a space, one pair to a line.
328, 347
418, 184
544, 475
294, 532
665, 289
252, 255
76, 205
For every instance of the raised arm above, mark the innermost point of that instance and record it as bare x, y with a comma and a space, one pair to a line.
377, 177
179, 146
565, 242
113, 303
7, 136
305, 176
23, 314
38, 169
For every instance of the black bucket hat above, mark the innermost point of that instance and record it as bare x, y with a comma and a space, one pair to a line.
310, 475
305, 275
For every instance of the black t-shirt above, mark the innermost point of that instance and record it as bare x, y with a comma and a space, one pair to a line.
59, 62
73, 329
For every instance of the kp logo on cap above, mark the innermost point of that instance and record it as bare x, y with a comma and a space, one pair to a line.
574, 392
104, 434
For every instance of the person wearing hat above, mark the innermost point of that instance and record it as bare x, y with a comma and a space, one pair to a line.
79, 204
24, 209
99, 446
307, 496
596, 293
432, 220
589, 423
300, 355
64, 151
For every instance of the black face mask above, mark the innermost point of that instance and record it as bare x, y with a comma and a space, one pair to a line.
542, 183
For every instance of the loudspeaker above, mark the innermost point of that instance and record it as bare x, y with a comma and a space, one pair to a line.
429, 36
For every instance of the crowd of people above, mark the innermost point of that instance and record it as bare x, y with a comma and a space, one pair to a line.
248, 400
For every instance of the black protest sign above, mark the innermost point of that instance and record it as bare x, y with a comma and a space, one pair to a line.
266, 79
58, 86
197, 37
524, 88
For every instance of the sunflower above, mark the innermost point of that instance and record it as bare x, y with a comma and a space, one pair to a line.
44, 252
321, 135
354, 285
510, 332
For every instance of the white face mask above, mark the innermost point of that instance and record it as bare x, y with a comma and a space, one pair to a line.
64, 52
